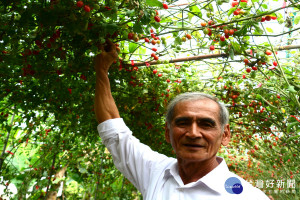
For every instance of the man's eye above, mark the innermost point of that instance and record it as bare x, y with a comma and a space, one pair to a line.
183, 123
206, 125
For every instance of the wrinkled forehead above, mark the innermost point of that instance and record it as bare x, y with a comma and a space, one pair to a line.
206, 105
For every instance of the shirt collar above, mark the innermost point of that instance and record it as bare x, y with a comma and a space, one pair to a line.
215, 179
172, 171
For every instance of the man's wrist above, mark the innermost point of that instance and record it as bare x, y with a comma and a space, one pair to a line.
102, 70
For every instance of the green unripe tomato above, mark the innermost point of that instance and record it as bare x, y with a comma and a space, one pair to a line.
17, 16
208, 14
135, 36
96, 6
183, 69
167, 71
206, 31
280, 21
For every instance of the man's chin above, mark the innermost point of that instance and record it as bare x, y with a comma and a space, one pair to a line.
192, 158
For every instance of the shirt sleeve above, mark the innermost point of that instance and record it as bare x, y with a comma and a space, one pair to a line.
130, 156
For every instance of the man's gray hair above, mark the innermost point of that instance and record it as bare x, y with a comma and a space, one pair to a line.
193, 96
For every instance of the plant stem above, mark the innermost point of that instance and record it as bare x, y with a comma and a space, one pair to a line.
51, 172
202, 57
281, 70
98, 181
5, 143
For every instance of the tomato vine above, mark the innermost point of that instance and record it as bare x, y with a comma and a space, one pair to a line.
229, 49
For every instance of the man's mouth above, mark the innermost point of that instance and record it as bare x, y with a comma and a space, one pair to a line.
194, 145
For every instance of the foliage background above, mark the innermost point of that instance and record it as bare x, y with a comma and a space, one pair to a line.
48, 129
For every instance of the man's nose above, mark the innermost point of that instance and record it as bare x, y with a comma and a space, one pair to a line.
194, 131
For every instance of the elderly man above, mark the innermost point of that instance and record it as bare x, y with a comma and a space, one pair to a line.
196, 127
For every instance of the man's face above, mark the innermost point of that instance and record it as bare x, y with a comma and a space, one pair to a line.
195, 131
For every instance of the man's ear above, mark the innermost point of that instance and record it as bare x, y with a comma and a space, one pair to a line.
226, 135
167, 133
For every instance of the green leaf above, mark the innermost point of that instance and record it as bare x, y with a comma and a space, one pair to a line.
297, 19
265, 6
258, 30
243, 4
197, 34
260, 54
258, 97
279, 15
138, 28
156, 25
236, 46
190, 16
269, 30
180, 24
57, 180
154, 3
132, 47
129, 12
82, 170
231, 10
290, 126
178, 41
196, 11
231, 53
76, 177
242, 31
292, 138
110, 28
223, 43
210, 8
19, 180
146, 18
292, 89
142, 51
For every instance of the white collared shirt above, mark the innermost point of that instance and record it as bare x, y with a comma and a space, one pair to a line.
156, 175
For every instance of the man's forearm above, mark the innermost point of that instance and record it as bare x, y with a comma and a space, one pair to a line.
105, 107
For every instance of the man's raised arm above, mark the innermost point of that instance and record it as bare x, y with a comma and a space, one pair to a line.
105, 107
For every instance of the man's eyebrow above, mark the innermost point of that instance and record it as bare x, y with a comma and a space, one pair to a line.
210, 120
180, 119
205, 119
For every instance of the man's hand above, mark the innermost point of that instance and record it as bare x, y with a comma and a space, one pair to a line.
108, 55
105, 107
